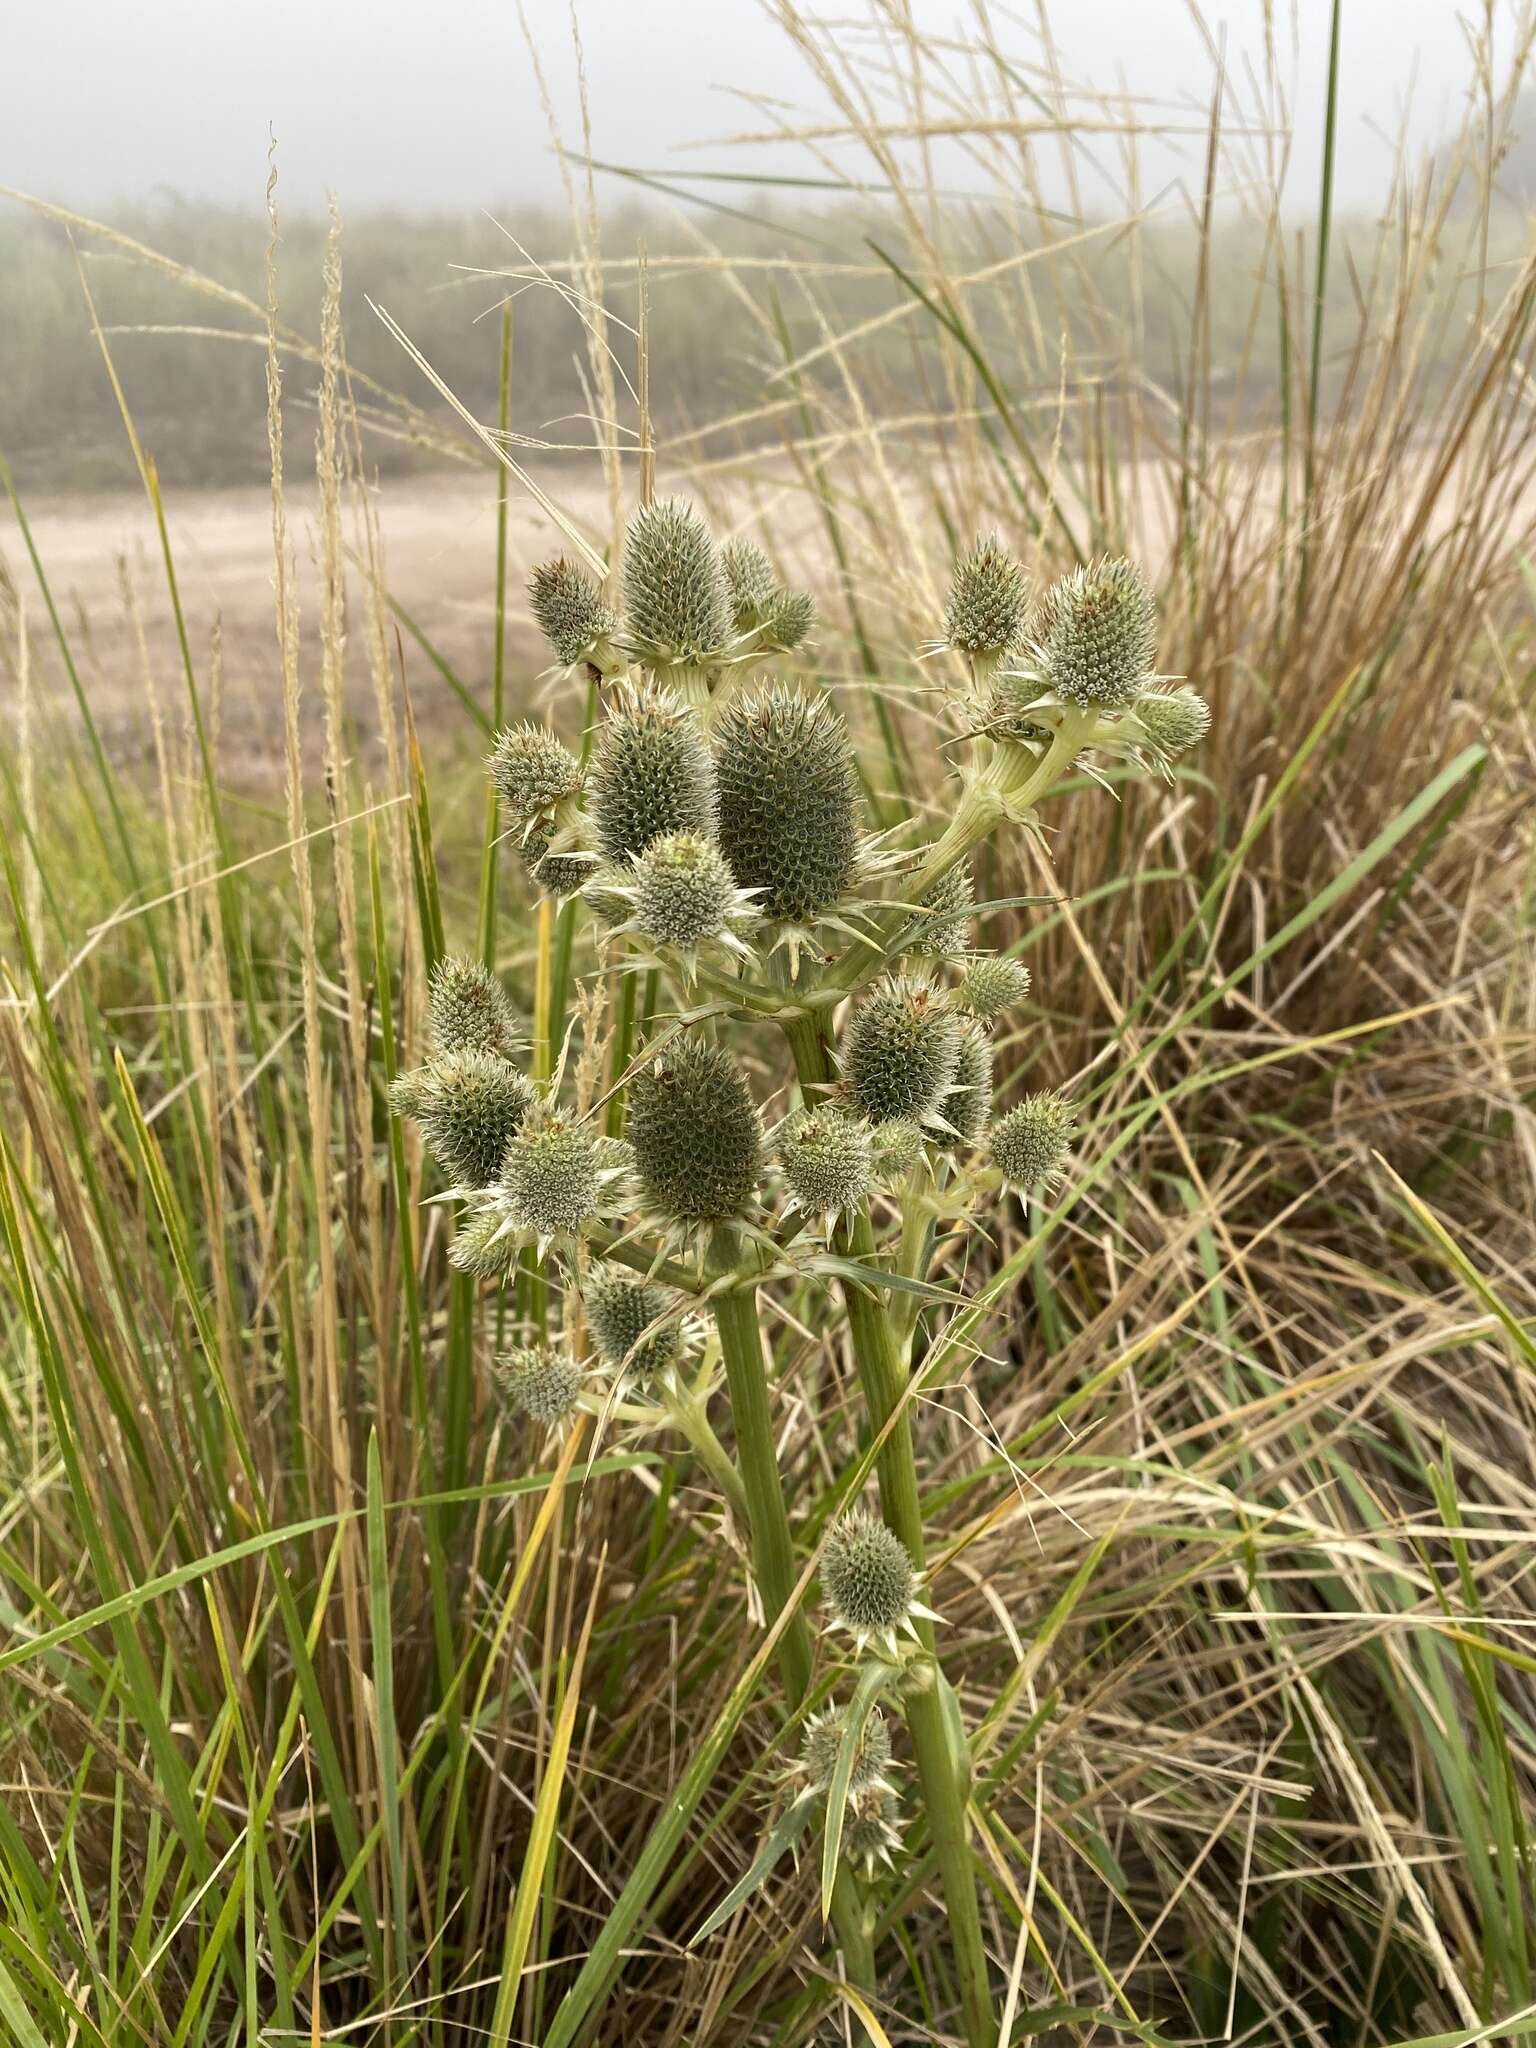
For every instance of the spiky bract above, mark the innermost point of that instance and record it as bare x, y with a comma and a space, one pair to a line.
944, 929
993, 983
469, 1009
554, 1175
900, 1049
470, 1106
684, 893
969, 1103
651, 774
867, 1577
1030, 1142
620, 1309
571, 614
695, 1132
789, 823
985, 614
677, 609
751, 582
828, 1159
1097, 634
822, 1741
533, 771
541, 1381
1174, 720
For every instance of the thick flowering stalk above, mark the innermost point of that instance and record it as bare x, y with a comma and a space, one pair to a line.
714, 831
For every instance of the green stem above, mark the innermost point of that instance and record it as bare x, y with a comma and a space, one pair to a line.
943, 1757
694, 1424
773, 1551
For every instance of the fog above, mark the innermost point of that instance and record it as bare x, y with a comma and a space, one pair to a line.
426, 104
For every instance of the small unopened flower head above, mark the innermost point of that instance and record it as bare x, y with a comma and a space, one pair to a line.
556, 1175
789, 807
871, 1834
482, 1245
1097, 635
541, 1381
470, 1106
868, 1580
828, 1160
993, 983
677, 610
571, 614
900, 1049
695, 1131
685, 895
897, 1145
985, 614
969, 1103
651, 774
620, 1309
823, 1740
1012, 709
786, 622
1174, 720
1030, 1142
555, 874
750, 579
469, 1009
533, 771
944, 929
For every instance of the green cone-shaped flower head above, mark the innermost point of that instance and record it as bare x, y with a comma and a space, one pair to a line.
1030, 1142
651, 774
944, 929
871, 1835
571, 615
620, 1309
900, 1049
470, 1106
695, 1132
789, 819
1097, 635
677, 609
828, 1159
554, 874
752, 584
985, 615
533, 771
555, 1175
541, 1381
823, 1740
993, 983
867, 1577
469, 1009
786, 622
969, 1103
482, 1246
897, 1146
1174, 720
684, 894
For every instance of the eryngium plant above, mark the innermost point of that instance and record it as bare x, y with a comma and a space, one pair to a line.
718, 840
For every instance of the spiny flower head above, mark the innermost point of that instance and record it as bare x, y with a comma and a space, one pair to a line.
534, 772
677, 610
750, 579
944, 929
558, 1176
828, 1160
695, 1132
557, 874
1173, 720
1097, 635
787, 622
823, 1740
868, 1580
1029, 1143
470, 1106
985, 614
897, 1145
571, 614
620, 1309
969, 1103
541, 1381
789, 818
993, 983
900, 1049
685, 896
651, 774
871, 1835
469, 1009
482, 1245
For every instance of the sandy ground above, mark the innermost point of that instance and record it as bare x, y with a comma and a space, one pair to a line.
439, 537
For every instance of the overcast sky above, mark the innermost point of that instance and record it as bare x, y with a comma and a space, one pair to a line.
428, 103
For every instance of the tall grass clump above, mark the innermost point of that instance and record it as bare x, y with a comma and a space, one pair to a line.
821, 1363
